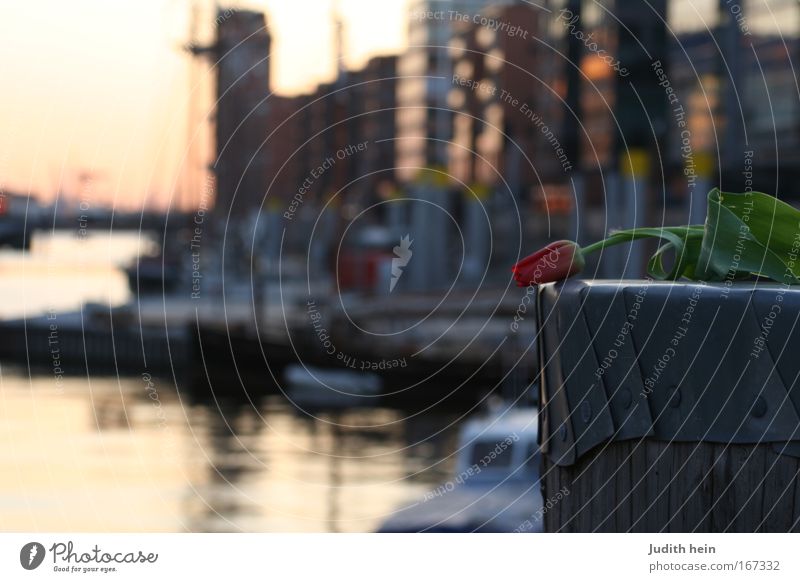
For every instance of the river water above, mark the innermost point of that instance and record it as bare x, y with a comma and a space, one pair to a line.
137, 454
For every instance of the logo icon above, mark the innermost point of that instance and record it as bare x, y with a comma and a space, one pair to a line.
31, 555
402, 254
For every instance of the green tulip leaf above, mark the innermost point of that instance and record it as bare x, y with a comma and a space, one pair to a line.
749, 233
685, 259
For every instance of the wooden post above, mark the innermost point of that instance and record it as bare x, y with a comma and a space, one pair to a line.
667, 408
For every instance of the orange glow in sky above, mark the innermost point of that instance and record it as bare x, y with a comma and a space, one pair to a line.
101, 88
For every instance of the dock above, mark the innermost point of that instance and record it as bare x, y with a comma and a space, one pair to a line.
426, 350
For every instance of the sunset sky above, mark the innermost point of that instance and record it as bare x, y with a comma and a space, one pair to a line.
101, 88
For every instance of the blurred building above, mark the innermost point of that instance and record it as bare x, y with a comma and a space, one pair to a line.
608, 115
737, 81
331, 155
708, 98
424, 119
240, 55
580, 116
505, 144
285, 145
497, 88
358, 107
377, 100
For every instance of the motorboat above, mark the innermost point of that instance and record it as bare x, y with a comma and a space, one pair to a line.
495, 487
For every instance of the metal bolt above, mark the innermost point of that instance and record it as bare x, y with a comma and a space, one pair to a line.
586, 411
759, 407
676, 398
625, 398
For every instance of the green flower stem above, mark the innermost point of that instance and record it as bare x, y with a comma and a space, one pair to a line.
626, 236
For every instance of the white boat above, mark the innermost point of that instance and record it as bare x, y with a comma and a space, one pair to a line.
495, 487
325, 388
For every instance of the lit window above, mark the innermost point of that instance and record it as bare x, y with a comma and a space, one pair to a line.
485, 36
494, 60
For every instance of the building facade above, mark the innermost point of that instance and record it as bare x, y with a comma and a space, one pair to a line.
241, 61
424, 118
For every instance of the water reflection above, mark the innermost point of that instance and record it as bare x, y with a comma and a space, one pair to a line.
139, 454
61, 272
111, 455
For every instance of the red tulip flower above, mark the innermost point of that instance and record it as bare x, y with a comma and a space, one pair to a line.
555, 262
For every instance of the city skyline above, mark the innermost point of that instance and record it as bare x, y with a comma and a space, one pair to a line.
120, 115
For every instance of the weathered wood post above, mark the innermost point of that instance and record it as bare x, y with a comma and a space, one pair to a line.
670, 406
